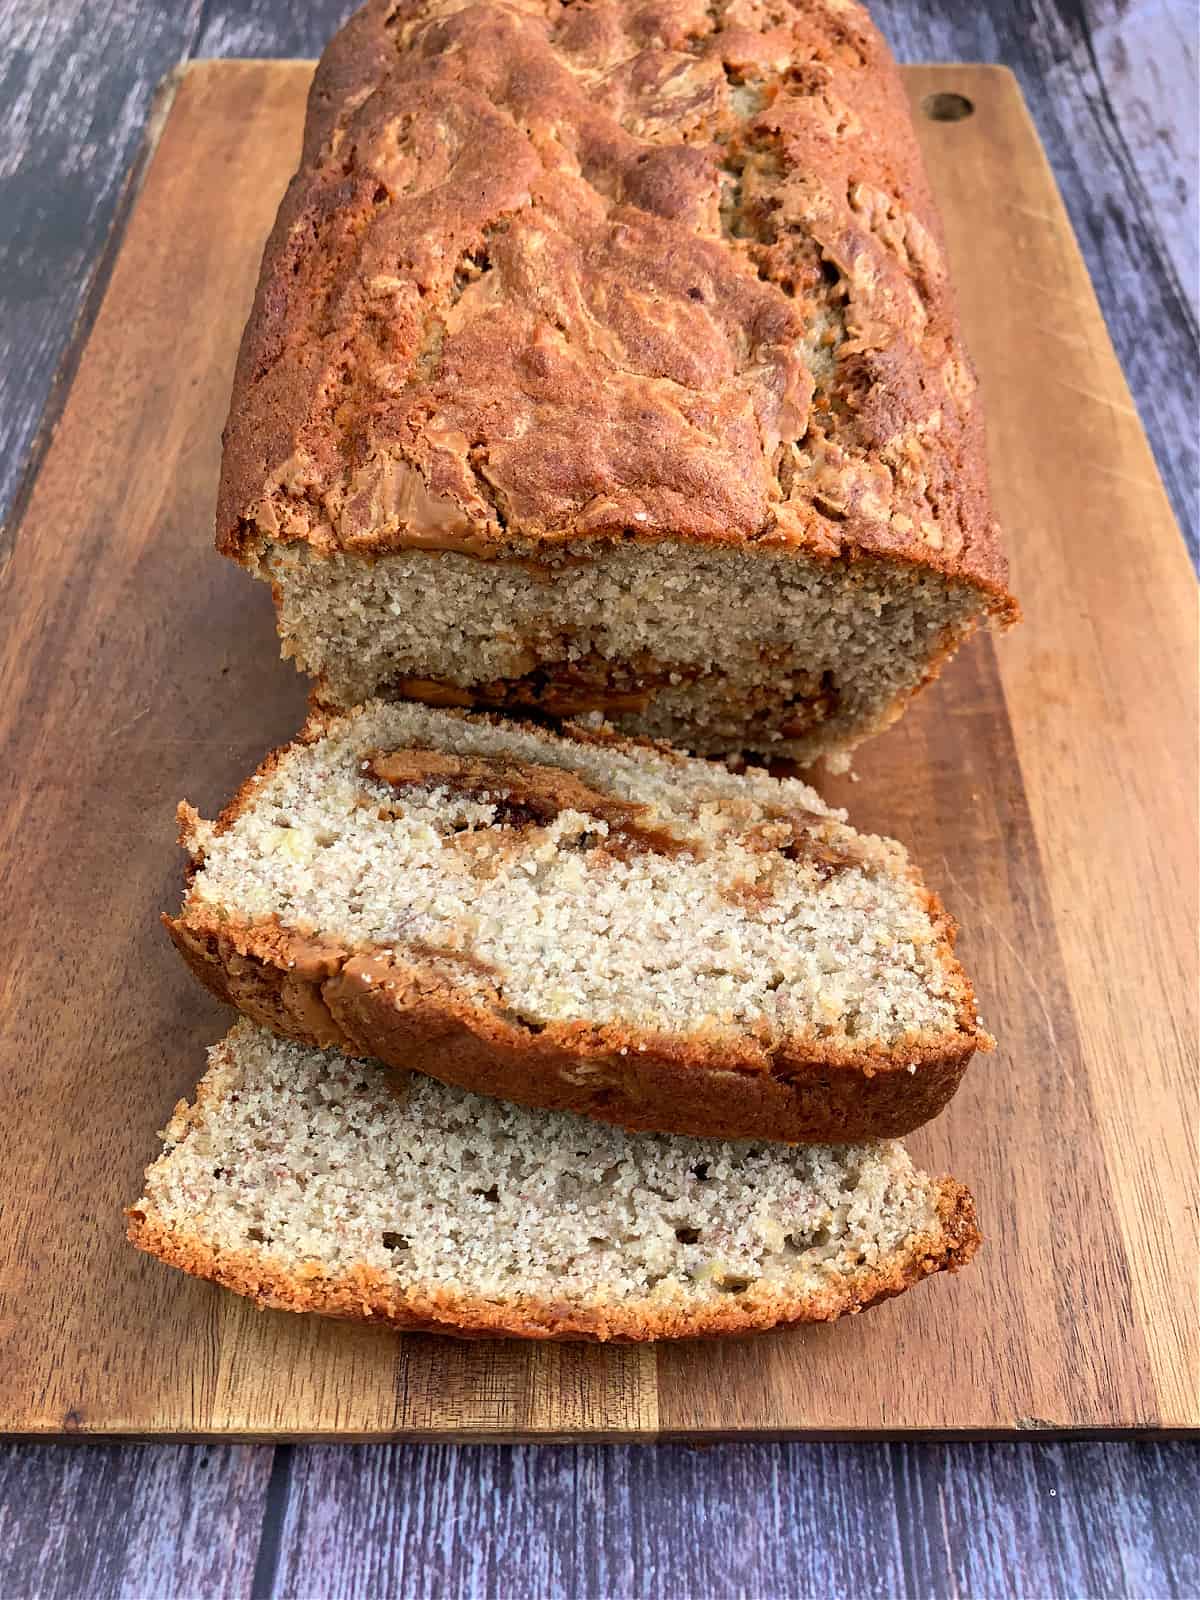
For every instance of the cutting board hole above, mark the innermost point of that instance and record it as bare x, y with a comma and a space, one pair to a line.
947, 107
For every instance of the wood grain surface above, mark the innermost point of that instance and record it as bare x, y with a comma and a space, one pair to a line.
546, 1522
136, 1521
1046, 785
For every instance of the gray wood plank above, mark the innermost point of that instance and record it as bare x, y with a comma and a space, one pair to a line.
1050, 1519
269, 27
1147, 55
76, 83
130, 1522
1038, 1519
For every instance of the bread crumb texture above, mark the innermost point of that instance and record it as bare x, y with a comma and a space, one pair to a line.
303, 1179
714, 650
587, 879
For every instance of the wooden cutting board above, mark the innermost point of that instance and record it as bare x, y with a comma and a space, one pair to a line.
1047, 784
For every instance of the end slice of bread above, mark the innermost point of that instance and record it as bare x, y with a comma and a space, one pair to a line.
581, 923
302, 1179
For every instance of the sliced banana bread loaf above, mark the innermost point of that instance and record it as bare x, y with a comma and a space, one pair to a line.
304, 1180
584, 923
604, 357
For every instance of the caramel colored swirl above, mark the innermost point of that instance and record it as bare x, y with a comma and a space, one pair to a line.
524, 795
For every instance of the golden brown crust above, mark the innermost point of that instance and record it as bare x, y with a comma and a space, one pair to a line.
366, 1295
554, 275
441, 1012
411, 1010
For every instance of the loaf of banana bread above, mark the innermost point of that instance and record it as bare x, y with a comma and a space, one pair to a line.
603, 358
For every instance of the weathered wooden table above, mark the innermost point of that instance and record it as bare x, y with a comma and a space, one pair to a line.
1113, 94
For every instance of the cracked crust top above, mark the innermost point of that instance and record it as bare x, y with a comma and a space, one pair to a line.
552, 274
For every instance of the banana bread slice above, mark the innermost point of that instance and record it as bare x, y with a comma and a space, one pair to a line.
604, 358
304, 1180
581, 922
